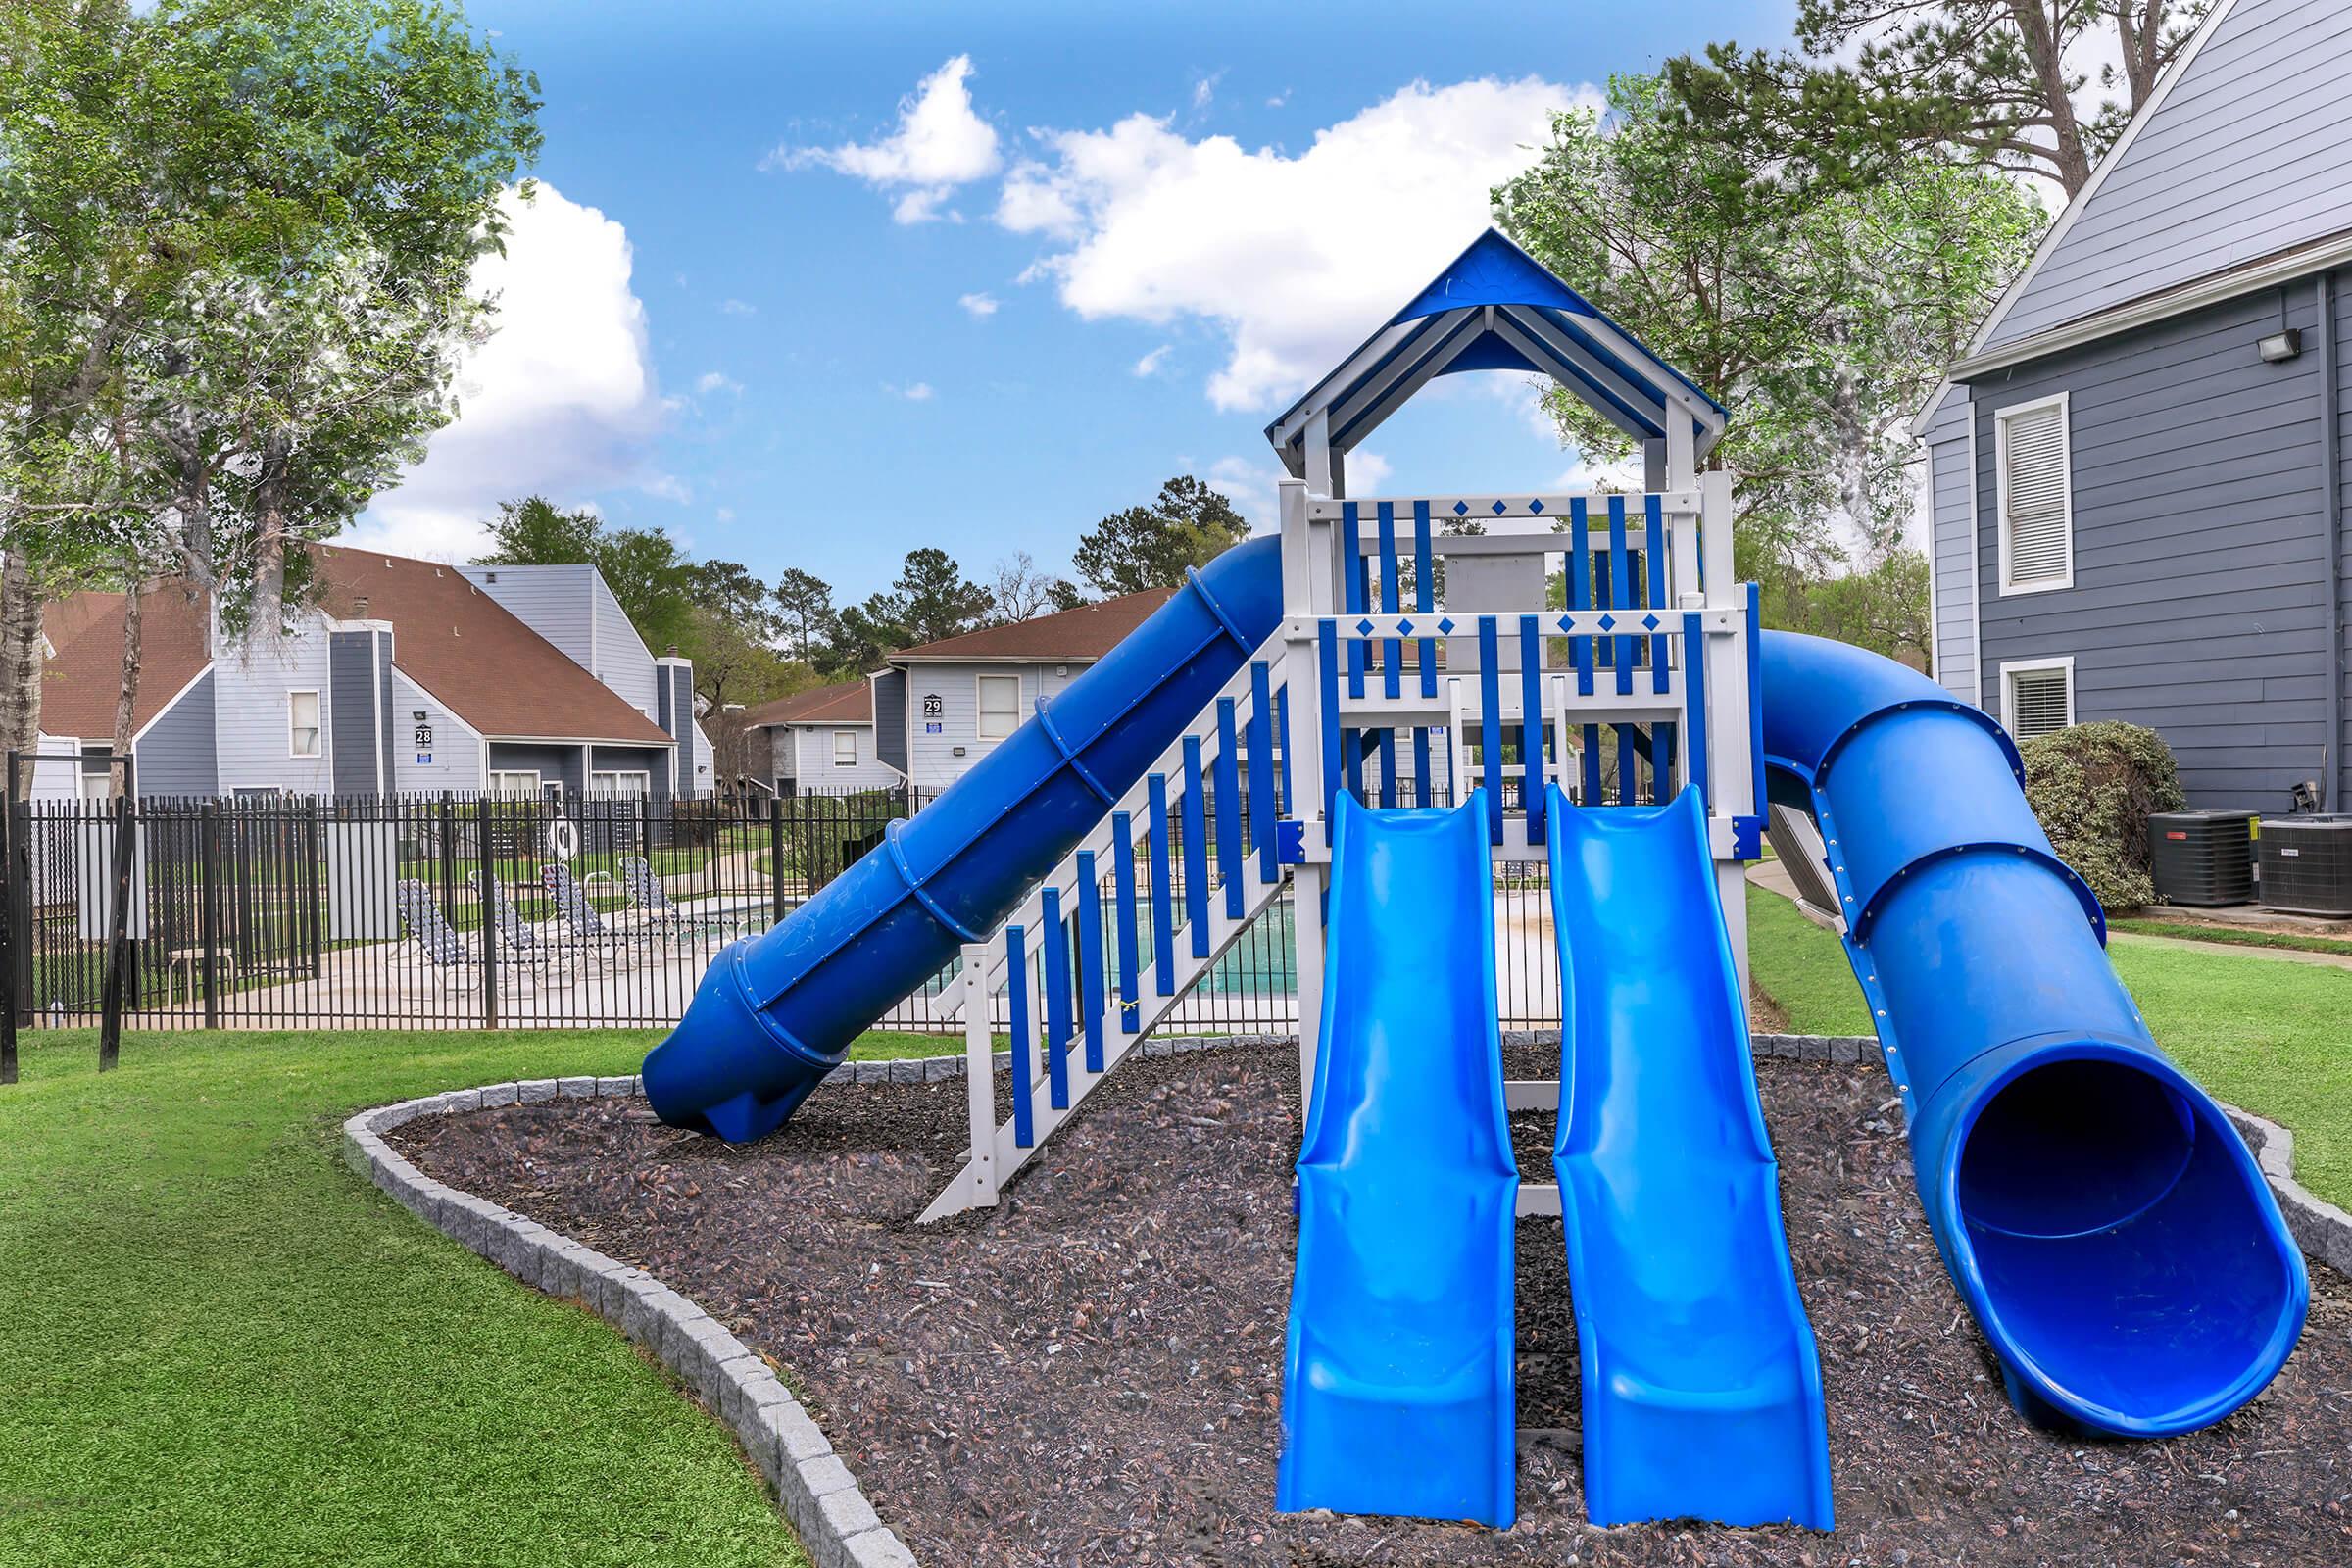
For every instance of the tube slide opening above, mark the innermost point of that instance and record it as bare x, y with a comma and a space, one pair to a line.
2123, 1241
2073, 1146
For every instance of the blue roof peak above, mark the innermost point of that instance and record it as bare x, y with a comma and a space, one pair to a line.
1493, 272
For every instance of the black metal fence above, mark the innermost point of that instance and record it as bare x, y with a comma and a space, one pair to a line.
295, 913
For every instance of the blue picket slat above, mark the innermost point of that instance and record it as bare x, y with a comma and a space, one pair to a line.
1282, 748
1057, 1001
1663, 758
1655, 512
1264, 809
1621, 593
1351, 576
1531, 725
1327, 658
1392, 650
1229, 808
1090, 960
1388, 768
1490, 723
1629, 767
1163, 903
1017, 997
1592, 769
1425, 601
1694, 699
1195, 850
1122, 878
1424, 786
1580, 595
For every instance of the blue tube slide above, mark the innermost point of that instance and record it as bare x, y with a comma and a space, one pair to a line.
1399, 1393
2101, 1218
1701, 1383
776, 1011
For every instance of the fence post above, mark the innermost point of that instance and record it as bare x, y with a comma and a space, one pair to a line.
980, 1071
775, 860
9, 932
486, 865
19, 907
118, 930
208, 907
449, 863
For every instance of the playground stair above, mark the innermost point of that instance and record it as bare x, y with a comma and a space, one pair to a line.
1106, 946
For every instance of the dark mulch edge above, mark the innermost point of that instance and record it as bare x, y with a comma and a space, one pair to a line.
1091, 1372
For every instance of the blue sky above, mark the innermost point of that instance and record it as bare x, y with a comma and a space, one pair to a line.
814, 285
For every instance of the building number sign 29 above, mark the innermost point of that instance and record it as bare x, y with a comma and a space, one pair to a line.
933, 710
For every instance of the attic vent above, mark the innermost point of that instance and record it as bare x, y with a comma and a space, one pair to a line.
489, 576
358, 608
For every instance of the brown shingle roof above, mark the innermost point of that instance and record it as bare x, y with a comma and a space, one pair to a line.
1087, 632
466, 649
78, 686
852, 701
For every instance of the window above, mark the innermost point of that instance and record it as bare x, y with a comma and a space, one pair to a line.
844, 748
1000, 706
521, 782
2039, 696
2036, 489
303, 737
630, 784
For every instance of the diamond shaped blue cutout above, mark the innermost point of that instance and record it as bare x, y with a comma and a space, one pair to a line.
1501, 509
1404, 628
1650, 622
1364, 626
1567, 623
1461, 508
1607, 621
1446, 625
1537, 505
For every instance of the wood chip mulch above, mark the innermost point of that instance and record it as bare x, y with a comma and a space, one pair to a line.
1091, 1372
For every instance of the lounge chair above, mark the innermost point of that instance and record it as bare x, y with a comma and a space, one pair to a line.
519, 942
583, 926
655, 909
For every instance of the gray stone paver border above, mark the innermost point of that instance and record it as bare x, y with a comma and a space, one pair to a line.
814, 1488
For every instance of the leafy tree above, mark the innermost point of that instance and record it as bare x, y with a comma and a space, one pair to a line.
865, 635
1023, 592
241, 236
1879, 81
536, 532
1189, 524
936, 599
1821, 318
805, 615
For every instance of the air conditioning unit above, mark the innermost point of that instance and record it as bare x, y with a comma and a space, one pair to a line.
2202, 858
2307, 864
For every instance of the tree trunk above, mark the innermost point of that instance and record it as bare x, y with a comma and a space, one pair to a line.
127, 694
268, 620
20, 655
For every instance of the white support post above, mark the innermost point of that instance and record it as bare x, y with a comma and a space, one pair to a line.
1729, 742
1304, 568
1680, 461
980, 1072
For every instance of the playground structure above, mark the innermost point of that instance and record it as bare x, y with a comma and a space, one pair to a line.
1382, 707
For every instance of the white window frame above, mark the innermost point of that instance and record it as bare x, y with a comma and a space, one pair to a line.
980, 708
2000, 480
320, 702
851, 736
509, 789
2013, 668
612, 773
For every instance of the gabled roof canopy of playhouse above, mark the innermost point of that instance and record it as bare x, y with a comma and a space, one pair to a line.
1495, 308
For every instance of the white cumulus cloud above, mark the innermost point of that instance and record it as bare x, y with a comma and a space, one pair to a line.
1151, 362
1295, 257
980, 306
561, 401
717, 381
938, 144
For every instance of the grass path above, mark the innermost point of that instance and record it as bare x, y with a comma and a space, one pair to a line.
2259, 1032
218, 1347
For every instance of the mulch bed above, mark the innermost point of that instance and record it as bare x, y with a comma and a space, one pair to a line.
1092, 1373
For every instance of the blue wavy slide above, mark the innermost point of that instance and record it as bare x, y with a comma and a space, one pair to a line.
1397, 1382
1701, 1385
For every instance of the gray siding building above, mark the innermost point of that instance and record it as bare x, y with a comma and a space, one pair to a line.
2137, 476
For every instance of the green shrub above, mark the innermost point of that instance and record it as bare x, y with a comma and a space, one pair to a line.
2093, 786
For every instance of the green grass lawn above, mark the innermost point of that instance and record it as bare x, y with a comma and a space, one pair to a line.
2259, 1031
220, 1346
